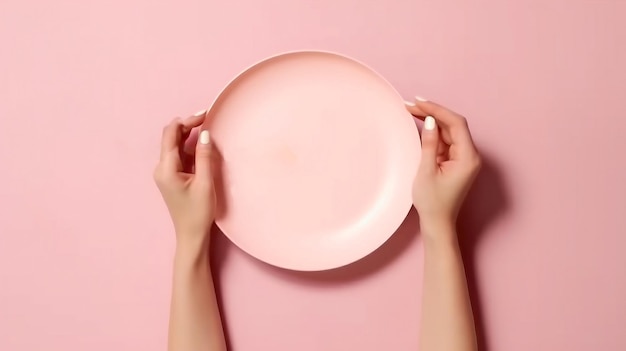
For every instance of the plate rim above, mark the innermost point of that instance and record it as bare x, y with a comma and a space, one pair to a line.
238, 76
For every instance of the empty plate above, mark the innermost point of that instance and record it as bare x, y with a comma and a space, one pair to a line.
318, 156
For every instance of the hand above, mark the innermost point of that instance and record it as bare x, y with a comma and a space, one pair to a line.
448, 167
185, 180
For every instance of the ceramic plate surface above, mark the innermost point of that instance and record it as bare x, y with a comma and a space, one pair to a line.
317, 159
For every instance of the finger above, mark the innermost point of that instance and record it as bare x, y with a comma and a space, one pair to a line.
191, 142
194, 121
168, 139
421, 115
430, 145
452, 124
415, 110
170, 145
203, 156
187, 149
190, 139
447, 119
443, 149
188, 160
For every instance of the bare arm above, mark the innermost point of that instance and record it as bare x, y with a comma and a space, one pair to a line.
447, 170
447, 320
195, 322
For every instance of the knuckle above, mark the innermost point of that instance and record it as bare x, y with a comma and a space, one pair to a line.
155, 171
479, 161
173, 124
157, 175
461, 122
476, 162
160, 176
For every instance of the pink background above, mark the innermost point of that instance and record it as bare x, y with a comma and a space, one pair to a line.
86, 243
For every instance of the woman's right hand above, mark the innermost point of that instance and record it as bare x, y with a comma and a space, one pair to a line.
448, 166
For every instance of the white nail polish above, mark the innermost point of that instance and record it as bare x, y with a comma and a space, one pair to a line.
429, 123
204, 137
408, 103
199, 113
419, 98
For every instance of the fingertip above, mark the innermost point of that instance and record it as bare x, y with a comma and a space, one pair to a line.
200, 113
204, 137
429, 123
430, 134
414, 109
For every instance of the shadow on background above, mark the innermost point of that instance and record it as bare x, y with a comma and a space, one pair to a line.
392, 249
485, 202
220, 246
377, 260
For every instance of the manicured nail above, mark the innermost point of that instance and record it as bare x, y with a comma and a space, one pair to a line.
408, 103
199, 113
429, 123
418, 98
204, 137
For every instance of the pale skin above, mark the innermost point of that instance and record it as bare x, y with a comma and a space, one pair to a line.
447, 170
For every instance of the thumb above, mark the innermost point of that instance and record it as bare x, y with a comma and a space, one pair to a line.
430, 142
203, 155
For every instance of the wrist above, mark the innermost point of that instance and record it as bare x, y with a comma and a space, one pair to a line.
192, 245
438, 230
437, 223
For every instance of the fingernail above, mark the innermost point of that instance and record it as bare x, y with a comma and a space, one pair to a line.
204, 137
418, 98
408, 103
429, 123
199, 113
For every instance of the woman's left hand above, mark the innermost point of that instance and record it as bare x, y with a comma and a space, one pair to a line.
186, 180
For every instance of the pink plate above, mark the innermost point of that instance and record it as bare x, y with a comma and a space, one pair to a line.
318, 156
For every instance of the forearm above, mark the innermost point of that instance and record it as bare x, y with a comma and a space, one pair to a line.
195, 323
447, 320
